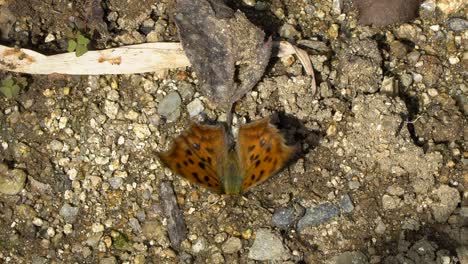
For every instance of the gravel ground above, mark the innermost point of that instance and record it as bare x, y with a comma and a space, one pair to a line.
381, 177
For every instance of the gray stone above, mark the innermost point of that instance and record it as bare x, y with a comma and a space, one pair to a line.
232, 245
448, 200
354, 185
457, 24
349, 257
346, 205
267, 246
11, 181
318, 215
69, 213
169, 107
115, 182
195, 107
283, 217
134, 224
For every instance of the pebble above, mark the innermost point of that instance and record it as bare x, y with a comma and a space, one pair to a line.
448, 198
283, 217
454, 60
219, 238
195, 107
49, 38
346, 204
141, 131
97, 227
354, 185
267, 246
199, 245
111, 109
155, 231
115, 182
37, 221
288, 31
417, 77
390, 202
317, 215
232, 245
134, 224
56, 145
169, 107
11, 181
69, 213
67, 229
457, 24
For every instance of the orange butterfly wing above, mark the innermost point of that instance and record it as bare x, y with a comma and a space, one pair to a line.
197, 155
262, 152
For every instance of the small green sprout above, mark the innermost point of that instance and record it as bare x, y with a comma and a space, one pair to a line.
79, 46
11, 87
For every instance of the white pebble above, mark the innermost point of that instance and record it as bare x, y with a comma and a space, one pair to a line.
454, 60
37, 221
67, 229
97, 227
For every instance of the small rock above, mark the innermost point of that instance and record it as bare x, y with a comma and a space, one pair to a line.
134, 224
457, 24
169, 107
97, 227
390, 202
49, 38
346, 205
283, 217
232, 245
267, 246
115, 182
155, 231
381, 227
448, 200
354, 185
11, 181
350, 257
141, 131
318, 215
195, 107
69, 213
199, 245
288, 31
111, 109
56, 145
395, 190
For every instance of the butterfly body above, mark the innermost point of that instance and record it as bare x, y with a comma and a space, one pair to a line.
202, 154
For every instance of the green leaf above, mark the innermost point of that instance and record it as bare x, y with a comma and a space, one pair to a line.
8, 82
80, 50
82, 39
71, 45
10, 91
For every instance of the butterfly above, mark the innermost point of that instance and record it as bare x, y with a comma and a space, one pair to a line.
202, 154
